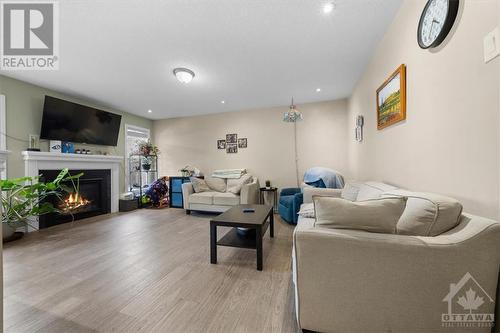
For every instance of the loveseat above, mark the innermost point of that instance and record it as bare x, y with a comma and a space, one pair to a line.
221, 199
349, 280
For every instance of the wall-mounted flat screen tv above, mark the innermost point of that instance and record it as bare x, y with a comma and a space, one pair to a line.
67, 121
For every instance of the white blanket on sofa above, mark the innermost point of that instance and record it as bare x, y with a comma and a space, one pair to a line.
229, 173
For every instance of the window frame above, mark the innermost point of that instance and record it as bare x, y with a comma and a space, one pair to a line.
129, 127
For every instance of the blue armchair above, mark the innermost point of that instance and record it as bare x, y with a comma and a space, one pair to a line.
289, 204
292, 198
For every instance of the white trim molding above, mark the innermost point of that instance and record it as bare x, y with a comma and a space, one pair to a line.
3, 162
3, 124
36, 161
3, 139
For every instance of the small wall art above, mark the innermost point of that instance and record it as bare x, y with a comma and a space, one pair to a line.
221, 144
231, 138
231, 148
242, 143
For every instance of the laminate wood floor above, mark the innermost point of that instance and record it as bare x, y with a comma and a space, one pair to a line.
145, 271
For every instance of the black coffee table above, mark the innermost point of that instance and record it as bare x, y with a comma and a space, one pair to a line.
236, 218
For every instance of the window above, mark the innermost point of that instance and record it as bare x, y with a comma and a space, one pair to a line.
133, 135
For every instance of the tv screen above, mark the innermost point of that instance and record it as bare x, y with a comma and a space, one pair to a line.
67, 121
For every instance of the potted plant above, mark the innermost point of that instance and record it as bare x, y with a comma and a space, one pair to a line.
146, 163
23, 198
146, 148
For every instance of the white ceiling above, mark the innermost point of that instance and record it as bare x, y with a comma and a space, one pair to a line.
249, 53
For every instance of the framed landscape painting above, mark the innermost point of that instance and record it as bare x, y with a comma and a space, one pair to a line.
391, 99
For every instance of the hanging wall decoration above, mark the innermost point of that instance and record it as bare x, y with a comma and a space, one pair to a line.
391, 99
360, 121
221, 144
242, 143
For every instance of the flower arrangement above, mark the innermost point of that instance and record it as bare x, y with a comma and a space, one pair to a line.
189, 171
147, 148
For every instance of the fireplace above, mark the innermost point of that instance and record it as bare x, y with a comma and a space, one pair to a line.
93, 198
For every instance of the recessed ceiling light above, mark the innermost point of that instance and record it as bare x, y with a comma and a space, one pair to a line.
149, 111
318, 89
184, 75
328, 7
223, 102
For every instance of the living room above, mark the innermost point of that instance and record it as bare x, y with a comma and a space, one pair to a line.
326, 166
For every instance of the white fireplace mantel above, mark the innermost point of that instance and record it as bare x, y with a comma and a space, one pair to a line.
36, 161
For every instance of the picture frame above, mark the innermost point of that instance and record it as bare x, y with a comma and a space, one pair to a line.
242, 143
34, 142
221, 144
391, 99
231, 148
231, 138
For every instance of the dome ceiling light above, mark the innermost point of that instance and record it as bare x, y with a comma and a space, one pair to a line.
184, 75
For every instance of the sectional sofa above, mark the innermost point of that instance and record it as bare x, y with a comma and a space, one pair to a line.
357, 281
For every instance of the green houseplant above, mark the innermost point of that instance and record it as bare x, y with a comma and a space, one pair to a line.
22, 198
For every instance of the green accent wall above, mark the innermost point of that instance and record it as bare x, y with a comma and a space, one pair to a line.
24, 106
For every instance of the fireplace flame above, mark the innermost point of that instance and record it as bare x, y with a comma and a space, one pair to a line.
74, 201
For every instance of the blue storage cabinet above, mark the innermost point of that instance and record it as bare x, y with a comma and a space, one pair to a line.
175, 191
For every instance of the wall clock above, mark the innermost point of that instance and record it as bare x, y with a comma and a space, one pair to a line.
436, 22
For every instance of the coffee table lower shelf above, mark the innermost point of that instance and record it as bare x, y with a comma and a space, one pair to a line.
233, 239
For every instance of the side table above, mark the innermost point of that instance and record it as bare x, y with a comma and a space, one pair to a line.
273, 190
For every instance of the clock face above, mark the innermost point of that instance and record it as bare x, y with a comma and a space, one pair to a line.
436, 21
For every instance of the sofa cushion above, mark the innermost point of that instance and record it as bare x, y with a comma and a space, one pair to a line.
216, 184
199, 185
376, 215
350, 192
307, 210
427, 214
372, 190
226, 199
234, 185
205, 198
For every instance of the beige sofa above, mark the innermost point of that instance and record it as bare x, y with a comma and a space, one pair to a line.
213, 201
356, 281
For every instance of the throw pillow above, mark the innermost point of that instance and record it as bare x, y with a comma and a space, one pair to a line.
217, 184
199, 185
427, 214
377, 215
307, 210
234, 185
350, 192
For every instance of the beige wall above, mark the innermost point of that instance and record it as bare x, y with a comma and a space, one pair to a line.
449, 142
322, 141
24, 104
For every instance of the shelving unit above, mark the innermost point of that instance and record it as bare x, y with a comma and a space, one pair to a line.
143, 171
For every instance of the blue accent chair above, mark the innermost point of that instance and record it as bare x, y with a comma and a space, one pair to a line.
292, 198
289, 204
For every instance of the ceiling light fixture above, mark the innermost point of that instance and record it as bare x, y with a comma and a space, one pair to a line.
328, 7
184, 75
293, 116
318, 89
223, 102
149, 111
